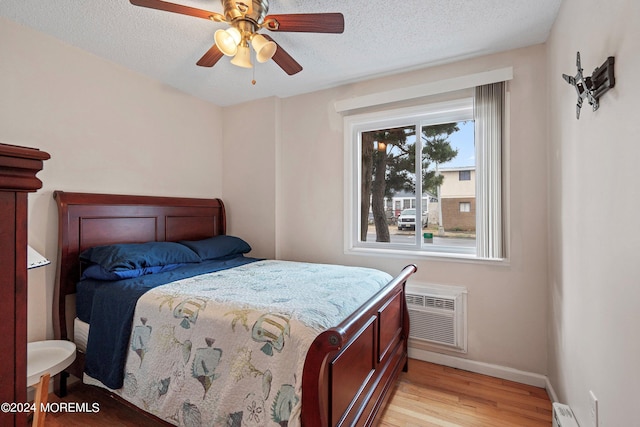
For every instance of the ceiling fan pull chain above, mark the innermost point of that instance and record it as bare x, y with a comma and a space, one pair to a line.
253, 82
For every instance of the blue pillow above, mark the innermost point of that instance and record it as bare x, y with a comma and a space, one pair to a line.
218, 247
97, 272
136, 256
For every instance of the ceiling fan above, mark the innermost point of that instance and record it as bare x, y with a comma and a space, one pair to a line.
246, 19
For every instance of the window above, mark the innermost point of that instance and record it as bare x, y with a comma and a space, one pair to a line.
424, 170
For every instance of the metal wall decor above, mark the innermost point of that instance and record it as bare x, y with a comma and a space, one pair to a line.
592, 87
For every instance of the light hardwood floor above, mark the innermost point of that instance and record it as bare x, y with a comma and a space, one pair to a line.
435, 395
428, 395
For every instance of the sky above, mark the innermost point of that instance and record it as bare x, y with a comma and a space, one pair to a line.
463, 141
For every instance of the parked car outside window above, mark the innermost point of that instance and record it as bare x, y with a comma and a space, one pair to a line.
407, 219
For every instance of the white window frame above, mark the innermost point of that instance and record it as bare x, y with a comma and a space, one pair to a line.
465, 207
423, 115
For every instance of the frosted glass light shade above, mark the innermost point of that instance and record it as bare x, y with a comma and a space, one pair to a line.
264, 48
243, 57
34, 259
227, 40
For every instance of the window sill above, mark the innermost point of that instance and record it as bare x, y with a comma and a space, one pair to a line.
441, 255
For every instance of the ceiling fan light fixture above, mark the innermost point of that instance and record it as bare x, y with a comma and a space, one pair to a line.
264, 48
227, 40
245, 18
243, 57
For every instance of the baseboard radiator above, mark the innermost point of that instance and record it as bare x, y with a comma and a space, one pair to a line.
563, 416
437, 316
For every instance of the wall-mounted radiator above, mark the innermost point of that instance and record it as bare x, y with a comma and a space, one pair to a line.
563, 416
437, 315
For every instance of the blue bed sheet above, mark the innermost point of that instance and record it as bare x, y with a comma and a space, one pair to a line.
109, 308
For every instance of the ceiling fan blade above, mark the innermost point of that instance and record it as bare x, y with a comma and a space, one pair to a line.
176, 8
306, 22
284, 60
210, 58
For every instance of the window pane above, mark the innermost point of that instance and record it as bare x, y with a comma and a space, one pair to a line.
448, 162
387, 187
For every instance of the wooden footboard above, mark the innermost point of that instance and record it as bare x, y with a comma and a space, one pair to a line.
350, 369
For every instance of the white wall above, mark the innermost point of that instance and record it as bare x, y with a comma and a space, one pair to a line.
507, 304
594, 260
250, 171
107, 130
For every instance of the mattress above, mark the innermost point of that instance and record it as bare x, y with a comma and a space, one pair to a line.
80, 334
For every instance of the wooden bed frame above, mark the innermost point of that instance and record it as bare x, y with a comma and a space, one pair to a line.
350, 370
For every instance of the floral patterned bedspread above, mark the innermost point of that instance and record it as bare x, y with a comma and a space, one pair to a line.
228, 348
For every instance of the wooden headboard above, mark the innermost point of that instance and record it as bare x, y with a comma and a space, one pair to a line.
86, 220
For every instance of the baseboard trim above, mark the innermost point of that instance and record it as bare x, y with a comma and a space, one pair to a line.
498, 371
551, 392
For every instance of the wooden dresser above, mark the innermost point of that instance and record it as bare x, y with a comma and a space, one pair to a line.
18, 169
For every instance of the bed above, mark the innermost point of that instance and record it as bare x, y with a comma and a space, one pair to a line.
348, 370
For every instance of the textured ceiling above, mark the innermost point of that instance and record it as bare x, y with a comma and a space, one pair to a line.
380, 38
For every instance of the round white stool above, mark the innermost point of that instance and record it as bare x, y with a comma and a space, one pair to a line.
50, 356
45, 359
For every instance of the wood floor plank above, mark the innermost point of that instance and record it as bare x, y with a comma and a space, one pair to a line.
428, 395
